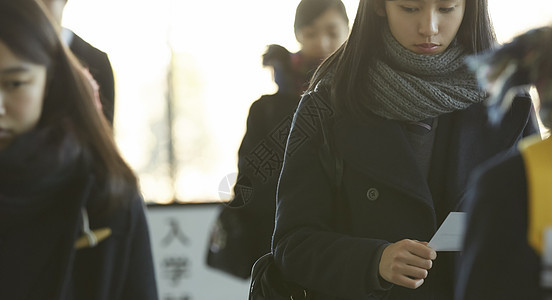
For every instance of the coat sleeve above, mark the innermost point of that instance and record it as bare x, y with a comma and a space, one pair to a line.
243, 229
250, 172
140, 280
307, 246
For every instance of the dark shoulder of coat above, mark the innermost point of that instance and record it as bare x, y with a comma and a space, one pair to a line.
497, 261
99, 65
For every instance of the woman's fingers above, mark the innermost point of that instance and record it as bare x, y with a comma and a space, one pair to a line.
418, 262
410, 283
406, 263
414, 272
421, 250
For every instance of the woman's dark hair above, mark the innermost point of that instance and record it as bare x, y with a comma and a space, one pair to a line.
349, 63
30, 33
309, 10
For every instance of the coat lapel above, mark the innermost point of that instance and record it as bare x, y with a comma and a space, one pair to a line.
379, 148
464, 140
471, 141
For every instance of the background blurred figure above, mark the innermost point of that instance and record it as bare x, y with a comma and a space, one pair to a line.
72, 221
92, 58
241, 235
321, 26
510, 202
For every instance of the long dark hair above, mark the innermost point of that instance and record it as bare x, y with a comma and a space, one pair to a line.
30, 33
349, 63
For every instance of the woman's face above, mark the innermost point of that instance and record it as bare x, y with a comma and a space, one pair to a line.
424, 26
327, 33
22, 86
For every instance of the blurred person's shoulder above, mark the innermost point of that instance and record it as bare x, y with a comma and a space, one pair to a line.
502, 175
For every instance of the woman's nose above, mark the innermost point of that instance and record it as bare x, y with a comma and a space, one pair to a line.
429, 25
324, 45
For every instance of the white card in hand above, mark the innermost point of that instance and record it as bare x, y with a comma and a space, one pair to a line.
450, 235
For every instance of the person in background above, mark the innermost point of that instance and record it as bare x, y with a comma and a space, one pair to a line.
95, 61
509, 202
380, 151
243, 231
72, 220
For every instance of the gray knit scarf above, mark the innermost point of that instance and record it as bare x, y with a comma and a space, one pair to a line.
407, 86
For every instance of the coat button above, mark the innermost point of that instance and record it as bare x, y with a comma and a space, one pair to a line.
372, 194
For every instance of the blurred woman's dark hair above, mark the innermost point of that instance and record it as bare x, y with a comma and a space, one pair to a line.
347, 66
309, 10
512, 68
31, 33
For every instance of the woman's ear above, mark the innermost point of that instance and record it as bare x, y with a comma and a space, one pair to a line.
379, 7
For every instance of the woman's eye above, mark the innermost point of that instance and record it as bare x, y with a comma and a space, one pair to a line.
446, 9
409, 9
14, 84
333, 34
309, 35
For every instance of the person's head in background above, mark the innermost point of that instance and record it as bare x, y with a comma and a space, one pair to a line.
525, 61
43, 86
55, 7
321, 27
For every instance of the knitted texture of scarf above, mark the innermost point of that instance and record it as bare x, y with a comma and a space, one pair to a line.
33, 170
41, 183
406, 86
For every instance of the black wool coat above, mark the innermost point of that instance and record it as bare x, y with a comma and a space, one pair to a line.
243, 230
38, 259
497, 260
247, 224
329, 239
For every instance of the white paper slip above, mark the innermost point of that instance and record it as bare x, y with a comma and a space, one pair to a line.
450, 235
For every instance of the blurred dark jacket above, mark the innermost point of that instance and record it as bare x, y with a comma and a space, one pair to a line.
42, 198
497, 260
99, 66
243, 230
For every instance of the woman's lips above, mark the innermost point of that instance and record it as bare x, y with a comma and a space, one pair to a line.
427, 47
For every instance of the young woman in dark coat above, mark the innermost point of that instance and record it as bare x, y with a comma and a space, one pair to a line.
243, 231
502, 259
380, 150
72, 222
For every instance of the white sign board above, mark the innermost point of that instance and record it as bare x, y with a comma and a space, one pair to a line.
179, 238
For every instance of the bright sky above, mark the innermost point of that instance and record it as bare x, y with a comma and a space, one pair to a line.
218, 46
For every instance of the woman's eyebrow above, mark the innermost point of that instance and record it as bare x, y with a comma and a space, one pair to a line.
12, 70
